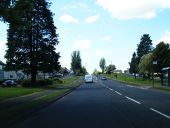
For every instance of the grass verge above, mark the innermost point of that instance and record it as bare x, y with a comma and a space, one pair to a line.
138, 81
8, 116
10, 92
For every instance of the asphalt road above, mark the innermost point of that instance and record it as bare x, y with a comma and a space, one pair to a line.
104, 104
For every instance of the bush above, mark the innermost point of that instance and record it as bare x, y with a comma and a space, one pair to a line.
58, 80
26, 83
39, 83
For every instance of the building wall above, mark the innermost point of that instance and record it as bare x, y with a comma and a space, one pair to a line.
10, 75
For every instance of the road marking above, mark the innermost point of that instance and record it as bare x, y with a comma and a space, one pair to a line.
118, 92
107, 87
110, 89
152, 109
133, 100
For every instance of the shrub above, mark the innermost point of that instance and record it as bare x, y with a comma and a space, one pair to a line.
39, 83
58, 80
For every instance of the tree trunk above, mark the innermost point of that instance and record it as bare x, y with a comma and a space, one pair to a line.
149, 76
33, 76
135, 76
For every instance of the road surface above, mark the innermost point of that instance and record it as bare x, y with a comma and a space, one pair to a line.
104, 104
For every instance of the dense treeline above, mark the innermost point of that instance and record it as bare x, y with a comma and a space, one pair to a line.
148, 60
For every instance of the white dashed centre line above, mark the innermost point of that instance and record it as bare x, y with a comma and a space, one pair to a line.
152, 109
132, 100
110, 89
118, 92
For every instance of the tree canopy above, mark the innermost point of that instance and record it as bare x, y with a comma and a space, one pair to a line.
102, 64
161, 54
76, 65
144, 47
110, 68
133, 64
32, 42
6, 7
145, 65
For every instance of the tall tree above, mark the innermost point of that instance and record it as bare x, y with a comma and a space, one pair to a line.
133, 65
102, 64
31, 44
144, 47
95, 72
161, 54
5, 9
76, 65
145, 65
110, 68
84, 70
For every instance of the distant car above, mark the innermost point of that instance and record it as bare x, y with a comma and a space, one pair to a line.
103, 78
9, 83
88, 79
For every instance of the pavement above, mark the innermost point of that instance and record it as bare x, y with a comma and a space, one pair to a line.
104, 104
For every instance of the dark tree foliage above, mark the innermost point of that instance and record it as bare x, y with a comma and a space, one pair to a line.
144, 47
102, 64
110, 68
32, 40
5, 9
161, 54
133, 64
76, 65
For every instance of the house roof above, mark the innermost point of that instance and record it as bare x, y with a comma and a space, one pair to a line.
1, 63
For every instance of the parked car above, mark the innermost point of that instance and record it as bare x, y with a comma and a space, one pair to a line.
88, 79
9, 83
103, 78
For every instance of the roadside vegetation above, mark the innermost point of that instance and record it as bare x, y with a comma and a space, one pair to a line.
11, 92
147, 62
139, 81
60, 87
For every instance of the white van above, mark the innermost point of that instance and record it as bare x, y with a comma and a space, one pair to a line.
88, 79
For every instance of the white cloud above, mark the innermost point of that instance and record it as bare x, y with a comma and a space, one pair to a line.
130, 9
68, 19
92, 19
165, 38
2, 49
82, 44
102, 53
79, 5
107, 38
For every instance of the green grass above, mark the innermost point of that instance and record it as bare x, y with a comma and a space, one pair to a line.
133, 81
65, 82
20, 110
11, 92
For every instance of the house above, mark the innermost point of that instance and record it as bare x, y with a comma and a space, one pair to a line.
4, 75
117, 71
1, 70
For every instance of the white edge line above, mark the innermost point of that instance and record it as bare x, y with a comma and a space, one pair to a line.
133, 100
152, 109
118, 92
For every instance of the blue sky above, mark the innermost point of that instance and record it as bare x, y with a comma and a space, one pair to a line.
105, 28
